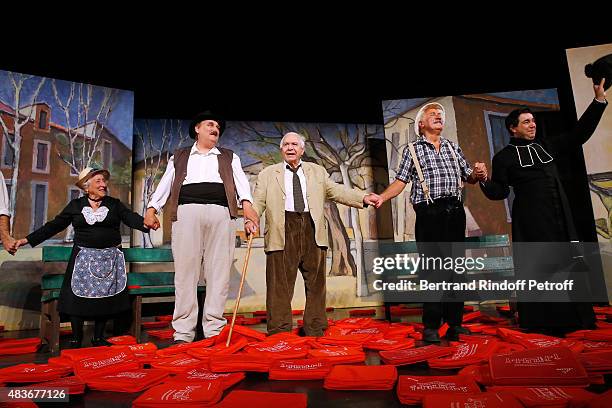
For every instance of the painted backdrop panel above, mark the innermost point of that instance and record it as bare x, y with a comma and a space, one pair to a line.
598, 150
50, 129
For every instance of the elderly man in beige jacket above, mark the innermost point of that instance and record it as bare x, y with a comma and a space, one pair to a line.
292, 195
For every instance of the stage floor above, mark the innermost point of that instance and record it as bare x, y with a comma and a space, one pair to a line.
317, 395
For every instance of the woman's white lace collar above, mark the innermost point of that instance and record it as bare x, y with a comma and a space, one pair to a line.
91, 216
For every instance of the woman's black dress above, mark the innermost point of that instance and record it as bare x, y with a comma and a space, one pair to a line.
103, 234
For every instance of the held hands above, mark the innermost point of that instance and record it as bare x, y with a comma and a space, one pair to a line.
373, 199
9, 244
20, 242
480, 171
150, 219
12, 245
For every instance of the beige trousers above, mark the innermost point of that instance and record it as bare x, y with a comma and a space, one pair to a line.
203, 240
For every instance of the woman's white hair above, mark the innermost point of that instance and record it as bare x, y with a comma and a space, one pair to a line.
300, 138
87, 183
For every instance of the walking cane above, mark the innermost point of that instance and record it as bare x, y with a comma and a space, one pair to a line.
244, 269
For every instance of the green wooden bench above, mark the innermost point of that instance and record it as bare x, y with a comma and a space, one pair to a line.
153, 286
494, 266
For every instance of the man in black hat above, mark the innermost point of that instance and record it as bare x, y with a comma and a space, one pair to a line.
200, 191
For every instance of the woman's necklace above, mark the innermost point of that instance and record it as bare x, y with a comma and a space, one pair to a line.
95, 204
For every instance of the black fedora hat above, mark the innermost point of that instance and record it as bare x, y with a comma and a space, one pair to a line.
202, 116
602, 68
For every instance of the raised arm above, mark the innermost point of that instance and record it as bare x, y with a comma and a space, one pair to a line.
589, 120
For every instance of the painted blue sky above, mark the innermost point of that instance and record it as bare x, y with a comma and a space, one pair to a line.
392, 108
155, 126
120, 120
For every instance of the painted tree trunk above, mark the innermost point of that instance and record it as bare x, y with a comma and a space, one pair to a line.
343, 263
16, 158
346, 180
146, 197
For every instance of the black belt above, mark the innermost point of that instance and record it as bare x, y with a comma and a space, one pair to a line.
447, 202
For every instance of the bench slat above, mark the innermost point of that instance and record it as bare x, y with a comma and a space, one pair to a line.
410, 247
148, 255
51, 282
392, 248
150, 278
54, 294
62, 254
489, 241
497, 263
157, 290
151, 290
134, 278
56, 254
490, 264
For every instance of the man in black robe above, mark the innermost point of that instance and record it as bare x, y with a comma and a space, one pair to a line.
541, 211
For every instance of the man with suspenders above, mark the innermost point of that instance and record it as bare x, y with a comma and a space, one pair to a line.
437, 168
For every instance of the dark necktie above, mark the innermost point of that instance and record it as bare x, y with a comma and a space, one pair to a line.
298, 198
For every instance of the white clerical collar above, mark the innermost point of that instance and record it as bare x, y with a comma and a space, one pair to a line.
525, 156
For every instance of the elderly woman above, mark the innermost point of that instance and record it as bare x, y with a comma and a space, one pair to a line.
94, 285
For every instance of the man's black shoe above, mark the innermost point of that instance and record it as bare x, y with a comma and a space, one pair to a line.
431, 336
100, 342
75, 343
453, 332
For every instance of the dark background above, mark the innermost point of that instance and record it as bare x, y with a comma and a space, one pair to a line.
297, 72
294, 73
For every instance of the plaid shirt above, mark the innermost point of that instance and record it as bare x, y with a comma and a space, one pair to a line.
439, 169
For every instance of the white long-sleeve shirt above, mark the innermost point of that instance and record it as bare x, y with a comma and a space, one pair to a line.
201, 168
289, 204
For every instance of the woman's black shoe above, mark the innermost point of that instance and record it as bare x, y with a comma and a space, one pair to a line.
100, 342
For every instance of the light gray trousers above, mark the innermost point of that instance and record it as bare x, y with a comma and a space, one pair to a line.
203, 239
